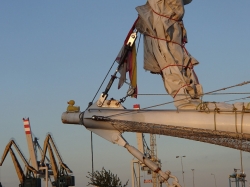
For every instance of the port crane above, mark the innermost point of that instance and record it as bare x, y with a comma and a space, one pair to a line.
28, 179
63, 175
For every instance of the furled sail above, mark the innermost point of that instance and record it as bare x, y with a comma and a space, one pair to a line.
160, 21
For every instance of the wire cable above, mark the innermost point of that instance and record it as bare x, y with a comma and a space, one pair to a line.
229, 93
103, 80
170, 102
237, 99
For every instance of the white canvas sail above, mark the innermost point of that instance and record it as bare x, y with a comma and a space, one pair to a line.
164, 52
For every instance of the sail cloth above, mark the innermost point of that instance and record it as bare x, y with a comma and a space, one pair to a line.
130, 65
160, 21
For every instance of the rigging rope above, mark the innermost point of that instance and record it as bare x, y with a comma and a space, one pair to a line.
230, 93
238, 99
241, 84
103, 81
170, 102
81, 115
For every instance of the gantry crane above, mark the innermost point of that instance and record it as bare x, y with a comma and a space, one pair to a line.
26, 180
62, 175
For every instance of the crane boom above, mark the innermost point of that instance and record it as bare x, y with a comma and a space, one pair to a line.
7, 148
53, 163
60, 174
18, 167
28, 180
47, 141
27, 128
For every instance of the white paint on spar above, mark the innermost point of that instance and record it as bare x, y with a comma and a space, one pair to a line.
228, 121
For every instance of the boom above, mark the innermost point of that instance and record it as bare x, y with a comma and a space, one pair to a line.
18, 168
28, 180
47, 141
225, 127
61, 175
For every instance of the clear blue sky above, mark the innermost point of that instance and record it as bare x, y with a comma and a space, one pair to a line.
54, 51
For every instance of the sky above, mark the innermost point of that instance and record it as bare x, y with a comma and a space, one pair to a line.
55, 51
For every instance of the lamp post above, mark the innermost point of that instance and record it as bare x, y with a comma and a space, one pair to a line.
182, 169
214, 179
193, 177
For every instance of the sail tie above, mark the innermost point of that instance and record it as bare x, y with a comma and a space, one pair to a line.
179, 21
165, 16
189, 67
235, 112
216, 110
169, 41
180, 88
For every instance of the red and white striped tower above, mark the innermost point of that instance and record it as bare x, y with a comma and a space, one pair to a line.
27, 129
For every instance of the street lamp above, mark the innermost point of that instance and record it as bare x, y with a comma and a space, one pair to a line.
193, 177
182, 168
214, 179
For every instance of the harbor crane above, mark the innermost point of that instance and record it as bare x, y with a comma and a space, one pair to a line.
62, 175
26, 180
37, 169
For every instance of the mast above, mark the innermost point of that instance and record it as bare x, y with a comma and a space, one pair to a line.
27, 129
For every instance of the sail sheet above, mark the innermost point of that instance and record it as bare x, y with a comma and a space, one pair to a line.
160, 21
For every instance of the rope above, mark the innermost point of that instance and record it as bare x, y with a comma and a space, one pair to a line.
203, 107
81, 115
243, 112
103, 81
165, 16
241, 84
232, 93
238, 99
189, 67
216, 110
179, 89
168, 41
235, 113
92, 158
242, 115
170, 102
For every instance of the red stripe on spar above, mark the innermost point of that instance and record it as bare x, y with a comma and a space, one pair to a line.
27, 132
